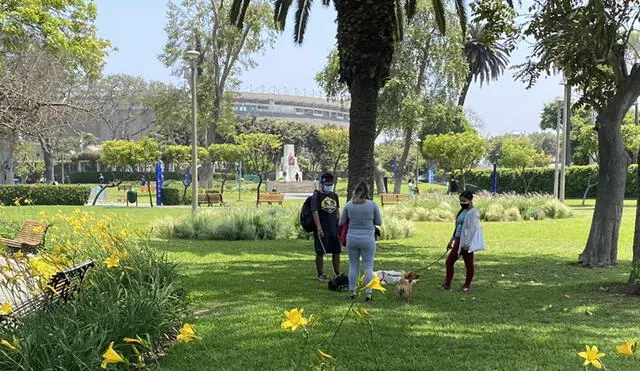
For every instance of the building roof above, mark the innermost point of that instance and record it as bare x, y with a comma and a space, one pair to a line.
292, 100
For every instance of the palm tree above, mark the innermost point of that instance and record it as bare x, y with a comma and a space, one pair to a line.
487, 61
367, 32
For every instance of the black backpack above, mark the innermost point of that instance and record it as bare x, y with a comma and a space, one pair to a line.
339, 283
306, 217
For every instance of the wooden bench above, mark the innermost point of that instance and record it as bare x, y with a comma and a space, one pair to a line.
122, 197
30, 237
146, 188
62, 287
124, 187
210, 198
271, 198
392, 199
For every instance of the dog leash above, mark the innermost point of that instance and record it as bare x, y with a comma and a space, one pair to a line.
430, 265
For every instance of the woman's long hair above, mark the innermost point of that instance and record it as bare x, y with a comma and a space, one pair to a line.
361, 193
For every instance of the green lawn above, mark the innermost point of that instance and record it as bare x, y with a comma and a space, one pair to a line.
529, 308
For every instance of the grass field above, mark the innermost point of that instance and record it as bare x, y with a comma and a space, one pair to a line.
530, 308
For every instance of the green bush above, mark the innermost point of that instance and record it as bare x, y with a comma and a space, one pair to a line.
44, 194
173, 196
577, 178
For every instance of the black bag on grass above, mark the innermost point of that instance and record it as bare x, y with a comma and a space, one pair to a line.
339, 283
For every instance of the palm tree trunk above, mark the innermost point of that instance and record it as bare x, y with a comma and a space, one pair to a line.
362, 131
465, 89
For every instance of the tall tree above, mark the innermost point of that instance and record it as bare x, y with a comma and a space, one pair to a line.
519, 153
172, 111
123, 105
228, 157
491, 38
225, 50
592, 55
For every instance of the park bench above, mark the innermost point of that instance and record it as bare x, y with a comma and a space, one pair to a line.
271, 198
392, 199
146, 188
124, 187
30, 237
62, 287
210, 198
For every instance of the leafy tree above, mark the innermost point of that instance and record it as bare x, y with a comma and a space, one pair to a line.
149, 154
592, 55
336, 146
225, 51
260, 154
519, 153
229, 155
172, 110
455, 151
62, 28
177, 155
121, 153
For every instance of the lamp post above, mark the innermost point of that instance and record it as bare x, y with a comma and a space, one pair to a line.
556, 170
191, 57
565, 138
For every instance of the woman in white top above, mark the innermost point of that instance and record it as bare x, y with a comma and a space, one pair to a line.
467, 224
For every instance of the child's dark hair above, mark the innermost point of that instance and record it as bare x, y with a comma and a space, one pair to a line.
467, 194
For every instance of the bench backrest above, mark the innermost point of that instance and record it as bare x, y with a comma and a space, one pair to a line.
271, 196
32, 232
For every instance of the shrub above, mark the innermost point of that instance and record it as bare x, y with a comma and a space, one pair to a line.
140, 296
44, 194
396, 228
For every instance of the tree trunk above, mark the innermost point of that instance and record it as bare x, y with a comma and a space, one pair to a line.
589, 186
634, 277
408, 135
47, 155
378, 179
602, 246
205, 174
7, 163
362, 131
258, 191
224, 180
465, 89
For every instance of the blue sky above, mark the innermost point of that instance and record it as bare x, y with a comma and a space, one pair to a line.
136, 28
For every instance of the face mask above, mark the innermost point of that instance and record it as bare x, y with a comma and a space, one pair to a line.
328, 188
464, 205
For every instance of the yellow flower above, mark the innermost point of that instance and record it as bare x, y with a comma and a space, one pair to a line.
111, 356
375, 284
325, 355
626, 349
5, 309
186, 334
8, 345
130, 340
591, 356
112, 262
294, 319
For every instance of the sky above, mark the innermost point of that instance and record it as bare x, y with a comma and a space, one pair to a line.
136, 29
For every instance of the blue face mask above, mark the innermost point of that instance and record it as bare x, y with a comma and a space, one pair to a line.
328, 188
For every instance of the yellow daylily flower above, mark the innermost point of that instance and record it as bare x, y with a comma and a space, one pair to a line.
5, 309
112, 262
186, 333
627, 349
294, 319
325, 355
111, 356
8, 345
591, 356
375, 284
130, 340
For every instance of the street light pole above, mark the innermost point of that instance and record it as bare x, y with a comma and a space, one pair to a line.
556, 170
192, 57
565, 139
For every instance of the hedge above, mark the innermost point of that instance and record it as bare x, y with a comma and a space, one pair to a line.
92, 177
44, 194
576, 178
173, 196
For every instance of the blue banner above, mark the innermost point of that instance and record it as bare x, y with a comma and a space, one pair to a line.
159, 182
187, 177
432, 176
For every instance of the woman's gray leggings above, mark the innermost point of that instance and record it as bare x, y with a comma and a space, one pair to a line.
360, 246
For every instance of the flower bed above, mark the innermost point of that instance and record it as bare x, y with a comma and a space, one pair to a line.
133, 292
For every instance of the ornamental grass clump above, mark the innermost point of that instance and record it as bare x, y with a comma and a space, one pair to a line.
133, 290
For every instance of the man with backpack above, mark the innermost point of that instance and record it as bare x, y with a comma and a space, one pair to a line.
325, 209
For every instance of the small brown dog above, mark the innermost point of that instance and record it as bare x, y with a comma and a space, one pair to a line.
404, 286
